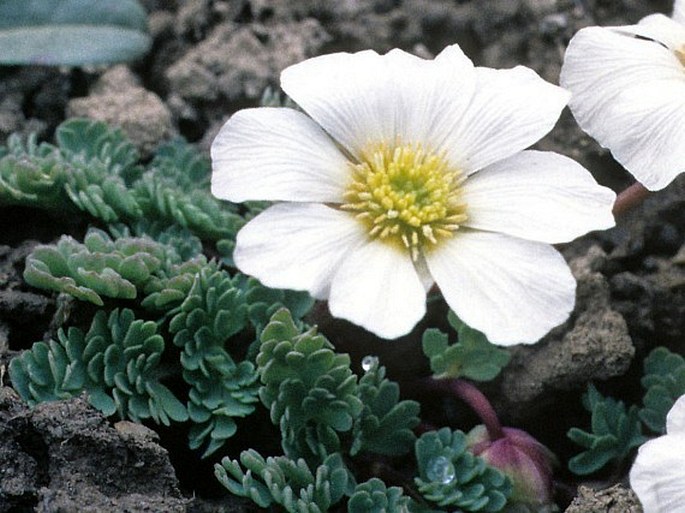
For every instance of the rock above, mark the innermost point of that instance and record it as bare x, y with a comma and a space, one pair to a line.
64, 456
118, 99
236, 63
616, 499
593, 345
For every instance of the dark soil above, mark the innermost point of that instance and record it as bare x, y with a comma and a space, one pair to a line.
212, 57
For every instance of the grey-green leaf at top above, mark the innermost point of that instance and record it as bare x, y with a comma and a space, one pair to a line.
115, 363
220, 389
472, 357
309, 389
615, 431
286, 482
72, 32
386, 424
451, 476
664, 382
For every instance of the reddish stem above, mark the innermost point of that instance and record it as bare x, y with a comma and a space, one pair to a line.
630, 198
470, 394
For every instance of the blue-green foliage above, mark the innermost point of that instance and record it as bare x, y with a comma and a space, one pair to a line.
221, 389
284, 481
452, 477
664, 382
472, 357
615, 431
373, 496
263, 302
309, 389
385, 425
100, 266
32, 175
94, 168
115, 362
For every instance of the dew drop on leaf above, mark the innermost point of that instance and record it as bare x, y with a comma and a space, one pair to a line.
368, 362
440, 469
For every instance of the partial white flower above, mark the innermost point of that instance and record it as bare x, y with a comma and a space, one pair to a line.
405, 172
628, 86
658, 474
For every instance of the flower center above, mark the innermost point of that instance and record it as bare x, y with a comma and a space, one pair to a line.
406, 196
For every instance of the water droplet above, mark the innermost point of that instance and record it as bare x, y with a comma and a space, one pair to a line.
368, 362
440, 469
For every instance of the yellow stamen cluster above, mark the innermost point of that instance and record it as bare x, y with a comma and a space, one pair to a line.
406, 196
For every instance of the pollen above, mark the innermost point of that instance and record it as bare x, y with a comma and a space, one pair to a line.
406, 196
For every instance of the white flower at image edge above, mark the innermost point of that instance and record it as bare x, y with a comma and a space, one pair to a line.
406, 172
658, 474
628, 86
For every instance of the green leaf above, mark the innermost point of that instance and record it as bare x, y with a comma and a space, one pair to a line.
664, 381
310, 390
615, 431
72, 32
115, 363
451, 476
374, 497
472, 357
284, 481
386, 424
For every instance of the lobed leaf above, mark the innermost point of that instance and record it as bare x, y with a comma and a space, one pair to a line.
664, 382
472, 357
615, 431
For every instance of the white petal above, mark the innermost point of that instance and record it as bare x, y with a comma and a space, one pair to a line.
377, 288
658, 475
363, 99
679, 11
539, 196
297, 246
276, 154
658, 28
629, 94
510, 110
512, 290
675, 420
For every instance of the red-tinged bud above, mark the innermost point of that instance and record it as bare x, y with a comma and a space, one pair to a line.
526, 461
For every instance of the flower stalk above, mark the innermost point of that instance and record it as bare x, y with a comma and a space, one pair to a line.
469, 393
629, 198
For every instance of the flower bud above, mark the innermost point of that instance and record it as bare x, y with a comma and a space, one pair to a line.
524, 460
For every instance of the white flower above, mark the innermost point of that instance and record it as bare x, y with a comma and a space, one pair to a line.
407, 172
658, 474
628, 86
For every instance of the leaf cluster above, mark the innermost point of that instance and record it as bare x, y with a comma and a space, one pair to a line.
284, 481
220, 389
615, 431
115, 362
95, 169
664, 383
472, 356
318, 402
451, 476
